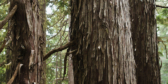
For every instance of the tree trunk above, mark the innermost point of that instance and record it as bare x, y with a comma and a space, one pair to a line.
101, 31
70, 71
43, 18
27, 42
145, 41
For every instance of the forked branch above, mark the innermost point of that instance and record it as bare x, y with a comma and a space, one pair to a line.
57, 49
9, 16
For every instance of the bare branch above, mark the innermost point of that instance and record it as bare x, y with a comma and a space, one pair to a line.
65, 60
14, 75
165, 49
9, 16
56, 50
5, 41
5, 2
3, 63
161, 6
3, 46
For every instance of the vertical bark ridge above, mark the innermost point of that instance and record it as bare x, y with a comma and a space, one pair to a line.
145, 41
102, 34
27, 41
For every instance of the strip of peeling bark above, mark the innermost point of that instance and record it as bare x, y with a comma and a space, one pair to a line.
2, 23
57, 49
14, 75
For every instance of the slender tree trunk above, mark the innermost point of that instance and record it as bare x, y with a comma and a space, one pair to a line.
56, 69
145, 41
70, 71
27, 42
60, 65
101, 31
70, 63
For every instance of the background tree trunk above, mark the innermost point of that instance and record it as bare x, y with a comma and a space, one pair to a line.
70, 70
27, 42
101, 30
144, 36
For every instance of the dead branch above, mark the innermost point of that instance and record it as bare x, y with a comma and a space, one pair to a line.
3, 63
5, 2
14, 75
165, 49
161, 6
3, 46
9, 16
5, 41
65, 60
71, 52
160, 66
56, 50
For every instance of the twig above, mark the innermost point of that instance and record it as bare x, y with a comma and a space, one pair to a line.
14, 75
4, 3
56, 50
9, 16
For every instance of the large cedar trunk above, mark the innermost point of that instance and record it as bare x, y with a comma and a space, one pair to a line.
145, 41
27, 42
101, 31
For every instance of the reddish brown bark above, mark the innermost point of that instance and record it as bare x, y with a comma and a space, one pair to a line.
144, 36
101, 30
27, 42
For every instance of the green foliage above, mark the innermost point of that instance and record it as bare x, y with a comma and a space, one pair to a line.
3, 14
162, 31
56, 35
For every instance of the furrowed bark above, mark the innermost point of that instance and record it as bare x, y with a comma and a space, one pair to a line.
144, 34
101, 30
42, 4
27, 42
